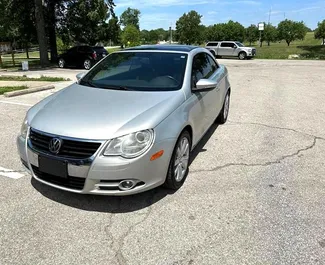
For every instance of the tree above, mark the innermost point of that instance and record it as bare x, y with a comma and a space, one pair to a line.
131, 36
290, 31
40, 26
320, 31
252, 34
110, 31
234, 31
270, 34
130, 17
188, 27
18, 23
84, 19
144, 36
215, 32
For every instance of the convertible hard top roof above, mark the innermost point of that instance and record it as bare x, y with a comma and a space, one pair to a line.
164, 47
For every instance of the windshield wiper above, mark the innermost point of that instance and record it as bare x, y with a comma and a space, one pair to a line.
103, 86
114, 87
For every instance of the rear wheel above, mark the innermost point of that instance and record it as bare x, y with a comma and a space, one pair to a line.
242, 55
223, 115
61, 63
179, 163
87, 64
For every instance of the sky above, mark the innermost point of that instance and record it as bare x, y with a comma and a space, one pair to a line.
165, 13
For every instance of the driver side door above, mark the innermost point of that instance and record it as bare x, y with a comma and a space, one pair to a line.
206, 102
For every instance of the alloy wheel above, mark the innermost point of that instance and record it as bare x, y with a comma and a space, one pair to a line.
181, 159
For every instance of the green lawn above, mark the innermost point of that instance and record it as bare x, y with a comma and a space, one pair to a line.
24, 78
11, 88
309, 48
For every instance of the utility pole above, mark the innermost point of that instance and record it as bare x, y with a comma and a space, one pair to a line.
171, 33
270, 15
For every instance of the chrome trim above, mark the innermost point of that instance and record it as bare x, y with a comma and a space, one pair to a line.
72, 161
76, 167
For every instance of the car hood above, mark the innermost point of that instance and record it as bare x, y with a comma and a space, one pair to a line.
93, 113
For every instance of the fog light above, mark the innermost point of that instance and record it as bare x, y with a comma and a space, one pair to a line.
126, 185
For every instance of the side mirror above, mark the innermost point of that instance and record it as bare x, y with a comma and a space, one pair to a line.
80, 75
205, 84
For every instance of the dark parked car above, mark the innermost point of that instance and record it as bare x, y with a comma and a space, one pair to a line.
82, 56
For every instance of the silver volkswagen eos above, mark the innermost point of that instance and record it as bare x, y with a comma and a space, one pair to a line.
129, 124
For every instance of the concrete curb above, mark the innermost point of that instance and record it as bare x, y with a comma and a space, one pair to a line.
28, 91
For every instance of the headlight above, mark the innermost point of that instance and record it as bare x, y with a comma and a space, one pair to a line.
131, 145
24, 128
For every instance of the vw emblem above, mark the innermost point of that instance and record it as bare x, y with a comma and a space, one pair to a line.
55, 145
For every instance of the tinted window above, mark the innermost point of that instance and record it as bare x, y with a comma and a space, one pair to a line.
213, 63
84, 49
100, 49
212, 44
202, 67
143, 71
227, 44
239, 44
73, 50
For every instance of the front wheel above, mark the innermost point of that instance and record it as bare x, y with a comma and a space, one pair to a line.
87, 64
223, 115
179, 163
242, 55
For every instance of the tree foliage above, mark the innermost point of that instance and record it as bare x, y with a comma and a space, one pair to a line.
131, 36
290, 31
252, 34
188, 27
270, 34
130, 17
320, 31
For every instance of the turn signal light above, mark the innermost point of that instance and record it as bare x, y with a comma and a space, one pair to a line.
157, 155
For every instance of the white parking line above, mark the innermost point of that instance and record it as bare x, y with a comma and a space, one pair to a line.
15, 103
10, 173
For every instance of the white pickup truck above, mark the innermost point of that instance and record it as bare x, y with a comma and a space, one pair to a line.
230, 49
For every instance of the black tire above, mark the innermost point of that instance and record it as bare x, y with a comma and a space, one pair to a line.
242, 55
223, 116
61, 63
171, 180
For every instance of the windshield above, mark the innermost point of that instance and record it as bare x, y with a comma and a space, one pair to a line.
239, 44
142, 71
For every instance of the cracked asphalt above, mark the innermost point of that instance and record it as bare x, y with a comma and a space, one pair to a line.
255, 193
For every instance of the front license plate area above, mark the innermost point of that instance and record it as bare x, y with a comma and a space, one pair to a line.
53, 167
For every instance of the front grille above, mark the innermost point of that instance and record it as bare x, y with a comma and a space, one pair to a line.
70, 182
69, 149
254, 51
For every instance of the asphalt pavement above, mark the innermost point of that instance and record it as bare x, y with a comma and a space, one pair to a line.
255, 193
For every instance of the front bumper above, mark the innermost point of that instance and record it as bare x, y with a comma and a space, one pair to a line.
102, 175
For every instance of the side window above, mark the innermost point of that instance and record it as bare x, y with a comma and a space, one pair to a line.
72, 50
84, 49
213, 63
202, 67
212, 44
227, 45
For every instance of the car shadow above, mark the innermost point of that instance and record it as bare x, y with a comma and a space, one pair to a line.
105, 204
200, 146
113, 204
